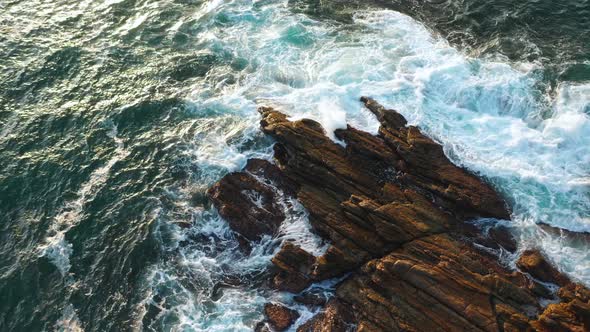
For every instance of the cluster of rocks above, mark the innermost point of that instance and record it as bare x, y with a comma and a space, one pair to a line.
393, 208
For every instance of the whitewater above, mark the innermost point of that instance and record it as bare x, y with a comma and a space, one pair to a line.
488, 113
496, 117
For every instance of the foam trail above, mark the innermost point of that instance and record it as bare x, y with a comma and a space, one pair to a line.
55, 246
69, 321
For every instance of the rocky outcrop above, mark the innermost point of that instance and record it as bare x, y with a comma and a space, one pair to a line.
393, 208
336, 317
249, 200
438, 283
427, 166
378, 192
279, 317
533, 262
571, 314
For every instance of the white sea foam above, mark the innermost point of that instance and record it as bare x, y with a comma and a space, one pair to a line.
203, 303
218, 144
69, 321
55, 246
210, 305
296, 228
487, 113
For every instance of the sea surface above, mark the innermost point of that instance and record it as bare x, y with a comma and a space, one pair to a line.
117, 115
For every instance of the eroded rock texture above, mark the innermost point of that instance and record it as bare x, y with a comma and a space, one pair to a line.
393, 208
280, 317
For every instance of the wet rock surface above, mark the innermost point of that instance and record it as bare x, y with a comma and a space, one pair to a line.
311, 298
248, 205
249, 200
394, 209
279, 317
294, 265
534, 262
572, 313
438, 283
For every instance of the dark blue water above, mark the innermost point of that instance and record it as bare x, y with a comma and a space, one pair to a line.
116, 116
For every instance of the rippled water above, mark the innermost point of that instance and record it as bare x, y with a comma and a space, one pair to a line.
116, 116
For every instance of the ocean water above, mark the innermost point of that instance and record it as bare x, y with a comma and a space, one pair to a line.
116, 116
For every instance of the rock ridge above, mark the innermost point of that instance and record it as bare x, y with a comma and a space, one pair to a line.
394, 209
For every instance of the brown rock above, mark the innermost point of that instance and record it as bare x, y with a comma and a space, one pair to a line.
437, 283
249, 206
342, 188
294, 268
309, 157
393, 207
573, 291
336, 317
533, 262
279, 317
571, 316
390, 118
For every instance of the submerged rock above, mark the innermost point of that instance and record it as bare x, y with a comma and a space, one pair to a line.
311, 298
574, 239
502, 236
394, 208
495, 237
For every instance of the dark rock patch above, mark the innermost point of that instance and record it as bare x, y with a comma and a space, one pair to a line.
534, 262
279, 317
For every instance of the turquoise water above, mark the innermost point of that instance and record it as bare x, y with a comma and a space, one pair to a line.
116, 116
